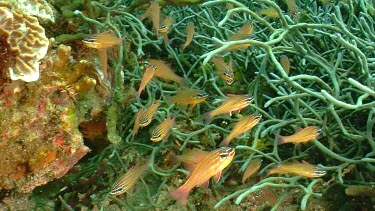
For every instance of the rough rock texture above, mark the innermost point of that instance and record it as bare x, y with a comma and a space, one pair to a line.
39, 136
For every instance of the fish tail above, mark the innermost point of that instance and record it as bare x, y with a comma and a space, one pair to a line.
224, 143
279, 139
207, 117
180, 194
183, 46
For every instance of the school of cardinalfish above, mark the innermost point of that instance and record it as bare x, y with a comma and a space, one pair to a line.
202, 165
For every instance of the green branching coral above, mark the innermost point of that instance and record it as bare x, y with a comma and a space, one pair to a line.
330, 85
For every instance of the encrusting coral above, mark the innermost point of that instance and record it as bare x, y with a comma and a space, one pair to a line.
27, 43
43, 141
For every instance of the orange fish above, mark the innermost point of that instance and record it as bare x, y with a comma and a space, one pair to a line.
162, 131
153, 12
165, 27
233, 103
136, 122
189, 34
270, 12
253, 167
296, 168
127, 180
304, 135
284, 61
164, 71
188, 96
244, 124
243, 33
146, 117
223, 70
146, 78
210, 166
102, 41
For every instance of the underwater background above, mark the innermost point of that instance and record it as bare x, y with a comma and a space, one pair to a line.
131, 104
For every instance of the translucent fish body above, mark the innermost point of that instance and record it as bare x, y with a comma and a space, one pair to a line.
301, 169
210, 166
302, 136
126, 181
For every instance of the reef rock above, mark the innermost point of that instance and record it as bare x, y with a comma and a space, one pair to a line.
39, 136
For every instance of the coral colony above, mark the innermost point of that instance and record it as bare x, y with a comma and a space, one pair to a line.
171, 96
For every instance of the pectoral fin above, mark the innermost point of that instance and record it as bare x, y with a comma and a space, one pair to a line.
205, 184
217, 176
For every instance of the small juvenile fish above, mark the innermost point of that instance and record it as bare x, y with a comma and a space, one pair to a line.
165, 27
162, 131
102, 40
188, 96
136, 122
233, 103
253, 167
284, 61
210, 166
270, 12
292, 8
296, 168
146, 78
304, 135
164, 71
153, 12
189, 34
244, 124
243, 33
145, 117
126, 181
223, 70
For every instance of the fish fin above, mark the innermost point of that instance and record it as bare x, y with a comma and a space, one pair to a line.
207, 117
217, 176
180, 194
205, 184
279, 139
224, 143
183, 46
189, 166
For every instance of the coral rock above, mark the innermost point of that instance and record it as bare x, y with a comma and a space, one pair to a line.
27, 43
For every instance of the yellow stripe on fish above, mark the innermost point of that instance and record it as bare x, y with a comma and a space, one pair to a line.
126, 181
302, 136
253, 167
244, 124
211, 165
233, 103
296, 168
162, 131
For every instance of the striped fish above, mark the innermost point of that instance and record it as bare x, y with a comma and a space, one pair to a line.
243, 125
127, 180
253, 167
304, 135
210, 166
146, 117
233, 103
162, 130
296, 168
